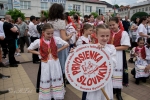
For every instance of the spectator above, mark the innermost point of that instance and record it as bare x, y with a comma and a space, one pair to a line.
23, 34
11, 35
33, 36
126, 24
2, 36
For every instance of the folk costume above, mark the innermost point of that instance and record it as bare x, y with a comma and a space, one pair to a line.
71, 30
147, 51
83, 40
98, 95
120, 74
94, 38
140, 63
50, 78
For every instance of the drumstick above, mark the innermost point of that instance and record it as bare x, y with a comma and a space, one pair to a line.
105, 94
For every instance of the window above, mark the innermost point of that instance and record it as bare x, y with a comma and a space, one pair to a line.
88, 8
139, 10
100, 10
142, 9
149, 8
44, 6
76, 7
146, 9
25, 4
133, 11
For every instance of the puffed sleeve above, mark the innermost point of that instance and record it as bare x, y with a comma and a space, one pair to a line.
60, 41
125, 40
79, 42
34, 45
113, 55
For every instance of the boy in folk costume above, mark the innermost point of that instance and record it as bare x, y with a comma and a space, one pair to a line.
51, 78
121, 41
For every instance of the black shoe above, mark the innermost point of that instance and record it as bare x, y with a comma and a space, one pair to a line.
114, 91
144, 80
131, 60
3, 76
1, 64
67, 82
36, 62
118, 94
13, 65
119, 97
137, 81
17, 62
3, 92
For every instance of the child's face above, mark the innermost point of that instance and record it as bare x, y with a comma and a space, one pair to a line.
103, 36
78, 28
48, 34
113, 26
141, 43
89, 31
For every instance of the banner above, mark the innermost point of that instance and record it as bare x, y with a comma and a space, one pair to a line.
88, 68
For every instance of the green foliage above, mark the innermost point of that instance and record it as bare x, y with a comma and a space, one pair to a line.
15, 13
72, 12
138, 14
94, 14
44, 13
116, 6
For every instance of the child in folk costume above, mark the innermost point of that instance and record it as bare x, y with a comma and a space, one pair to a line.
103, 35
70, 29
147, 49
85, 38
94, 39
121, 41
140, 63
51, 78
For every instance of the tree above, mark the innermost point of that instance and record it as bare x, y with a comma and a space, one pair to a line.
138, 14
116, 6
94, 14
44, 13
72, 12
15, 13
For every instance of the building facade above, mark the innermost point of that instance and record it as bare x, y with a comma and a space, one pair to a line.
140, 7
34, 7
5, 5
85, 7
124, 11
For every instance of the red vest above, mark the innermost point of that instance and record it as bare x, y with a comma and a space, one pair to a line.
143, 54
45, 50
116, 40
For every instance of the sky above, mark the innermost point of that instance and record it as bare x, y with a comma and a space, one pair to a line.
123, 2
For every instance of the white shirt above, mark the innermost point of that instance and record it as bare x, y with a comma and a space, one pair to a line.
1, 29
141, 28
83, 38
36, 43
32, 30
71, 30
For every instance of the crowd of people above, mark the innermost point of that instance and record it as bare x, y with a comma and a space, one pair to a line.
51, 40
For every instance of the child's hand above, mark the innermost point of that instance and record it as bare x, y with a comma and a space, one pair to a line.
147, 68
70, 35
71, 50
100, 46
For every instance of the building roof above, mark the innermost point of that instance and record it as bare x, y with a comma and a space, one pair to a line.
95, 2
140, 4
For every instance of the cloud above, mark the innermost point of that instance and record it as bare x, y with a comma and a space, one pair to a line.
140, 0
123, 3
